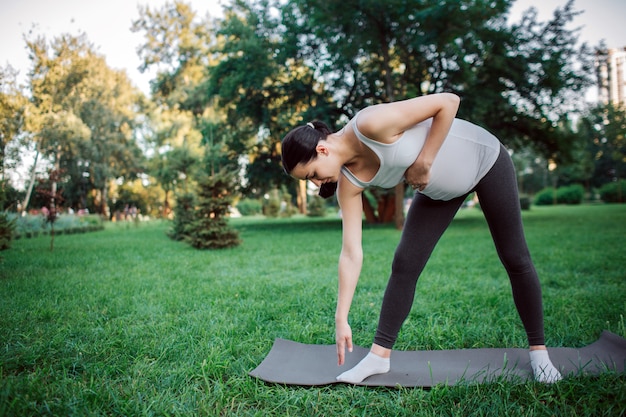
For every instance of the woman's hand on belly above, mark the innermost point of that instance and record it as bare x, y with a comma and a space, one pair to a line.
418, 175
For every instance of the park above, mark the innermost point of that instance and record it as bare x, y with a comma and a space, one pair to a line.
153, 248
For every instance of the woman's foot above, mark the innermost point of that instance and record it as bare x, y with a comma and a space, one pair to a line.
543, 369
371, 364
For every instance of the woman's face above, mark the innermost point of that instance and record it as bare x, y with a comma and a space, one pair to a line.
325, 168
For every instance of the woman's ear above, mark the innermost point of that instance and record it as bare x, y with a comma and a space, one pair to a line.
322, 149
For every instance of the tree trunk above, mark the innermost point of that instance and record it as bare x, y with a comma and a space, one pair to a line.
301, 197
370, 216
166, 205
399, 212
31, 185
104, 207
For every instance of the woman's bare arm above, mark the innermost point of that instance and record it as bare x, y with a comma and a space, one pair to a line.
350, 261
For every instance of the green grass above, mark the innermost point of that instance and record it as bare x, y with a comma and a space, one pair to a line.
127, 322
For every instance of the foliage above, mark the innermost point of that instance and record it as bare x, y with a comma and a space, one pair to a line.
7, 225
266, 66
545, 197
524, 202
7, 228
278, 204
209, 228
31, 226
111, 326
12, 108
316, 207
571, 194
81, 116
604, 128
283, 63
250, 206
183, 215
613, 192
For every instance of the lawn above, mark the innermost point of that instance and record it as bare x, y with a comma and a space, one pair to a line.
125, 321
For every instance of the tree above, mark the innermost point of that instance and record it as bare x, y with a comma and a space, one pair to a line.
177, 45
604, 127
528, 80
275, 64
209, 228
81, 114
12, 105
11, 119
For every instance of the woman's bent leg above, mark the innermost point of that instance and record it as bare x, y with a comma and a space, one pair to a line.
426, 221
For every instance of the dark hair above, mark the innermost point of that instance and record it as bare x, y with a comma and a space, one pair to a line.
298, 146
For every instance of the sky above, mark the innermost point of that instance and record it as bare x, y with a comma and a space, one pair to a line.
107, 25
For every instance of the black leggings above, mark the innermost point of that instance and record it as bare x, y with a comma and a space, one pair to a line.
426, 221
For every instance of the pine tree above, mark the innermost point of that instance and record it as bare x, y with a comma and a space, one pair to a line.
210, 229
183, 216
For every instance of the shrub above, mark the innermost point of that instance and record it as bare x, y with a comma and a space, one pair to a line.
545, 197
524, 202
613, 192
36, 225
183, 215
271, 208
278, 204
250, 207
317, 207
209, 228
7, 226
572, 194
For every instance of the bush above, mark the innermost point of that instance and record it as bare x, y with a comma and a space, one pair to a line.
271, 208
545, 197
7, 226
524, 202
572, 194
278, 204
613, 192
36, 225
250, 207
209, 228
317, 207
183, 215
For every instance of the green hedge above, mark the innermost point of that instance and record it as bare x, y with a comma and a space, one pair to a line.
250, 207
33, 225
613, 192
571, 194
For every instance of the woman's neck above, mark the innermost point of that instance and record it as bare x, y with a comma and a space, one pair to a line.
352, 152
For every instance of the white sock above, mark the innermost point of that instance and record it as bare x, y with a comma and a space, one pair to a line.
542, 366
371, 364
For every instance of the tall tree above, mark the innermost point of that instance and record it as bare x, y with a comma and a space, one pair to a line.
81, 112
265, 87
177, 46
605, 128
518, 81
12, 105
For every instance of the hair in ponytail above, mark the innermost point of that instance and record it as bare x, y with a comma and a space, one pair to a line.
298, 146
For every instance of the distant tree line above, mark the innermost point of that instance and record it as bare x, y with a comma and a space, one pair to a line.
228, 88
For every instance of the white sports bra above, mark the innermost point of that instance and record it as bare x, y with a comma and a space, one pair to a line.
467, 154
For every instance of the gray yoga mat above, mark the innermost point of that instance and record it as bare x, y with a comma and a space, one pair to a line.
295, 363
